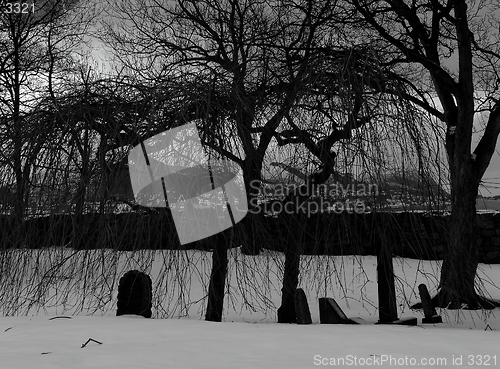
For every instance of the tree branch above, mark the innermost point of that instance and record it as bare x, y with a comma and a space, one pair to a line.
413, 54
487, 145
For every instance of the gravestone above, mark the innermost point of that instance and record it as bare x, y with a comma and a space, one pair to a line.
331, 313
430, 314
302, 308
135, 292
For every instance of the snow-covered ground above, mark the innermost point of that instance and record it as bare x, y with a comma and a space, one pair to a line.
76, 309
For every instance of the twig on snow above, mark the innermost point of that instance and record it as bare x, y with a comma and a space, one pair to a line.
89, 340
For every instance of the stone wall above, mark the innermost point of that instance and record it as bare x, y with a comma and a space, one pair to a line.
489, 237
412, 235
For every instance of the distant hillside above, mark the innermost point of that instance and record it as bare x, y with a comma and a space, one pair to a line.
412, 184
408, 184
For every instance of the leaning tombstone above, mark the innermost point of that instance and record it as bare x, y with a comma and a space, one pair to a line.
331, 313
430, 314
135, 292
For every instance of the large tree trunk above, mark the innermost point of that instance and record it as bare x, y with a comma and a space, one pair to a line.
293, 249
292, 240
286, 312
81, 192
250, 244
457, 284
459, 267
20, 203
461, 260
386, 288
251, 177
218, 277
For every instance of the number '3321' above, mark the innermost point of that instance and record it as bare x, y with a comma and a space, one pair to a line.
17, 8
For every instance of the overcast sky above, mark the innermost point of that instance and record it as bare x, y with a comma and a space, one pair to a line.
491, 179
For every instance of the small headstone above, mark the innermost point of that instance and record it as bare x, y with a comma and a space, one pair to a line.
331, 313
287, 315
301, 307
135, 292
430, 314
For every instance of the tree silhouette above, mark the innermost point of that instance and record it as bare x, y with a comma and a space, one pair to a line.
255, 75
422, 36
37, 49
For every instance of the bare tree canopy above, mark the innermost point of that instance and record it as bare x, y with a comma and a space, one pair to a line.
38, 51
426, 35
261, 74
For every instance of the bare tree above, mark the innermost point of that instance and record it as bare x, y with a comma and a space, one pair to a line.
456, 44
249, 72
36, 54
